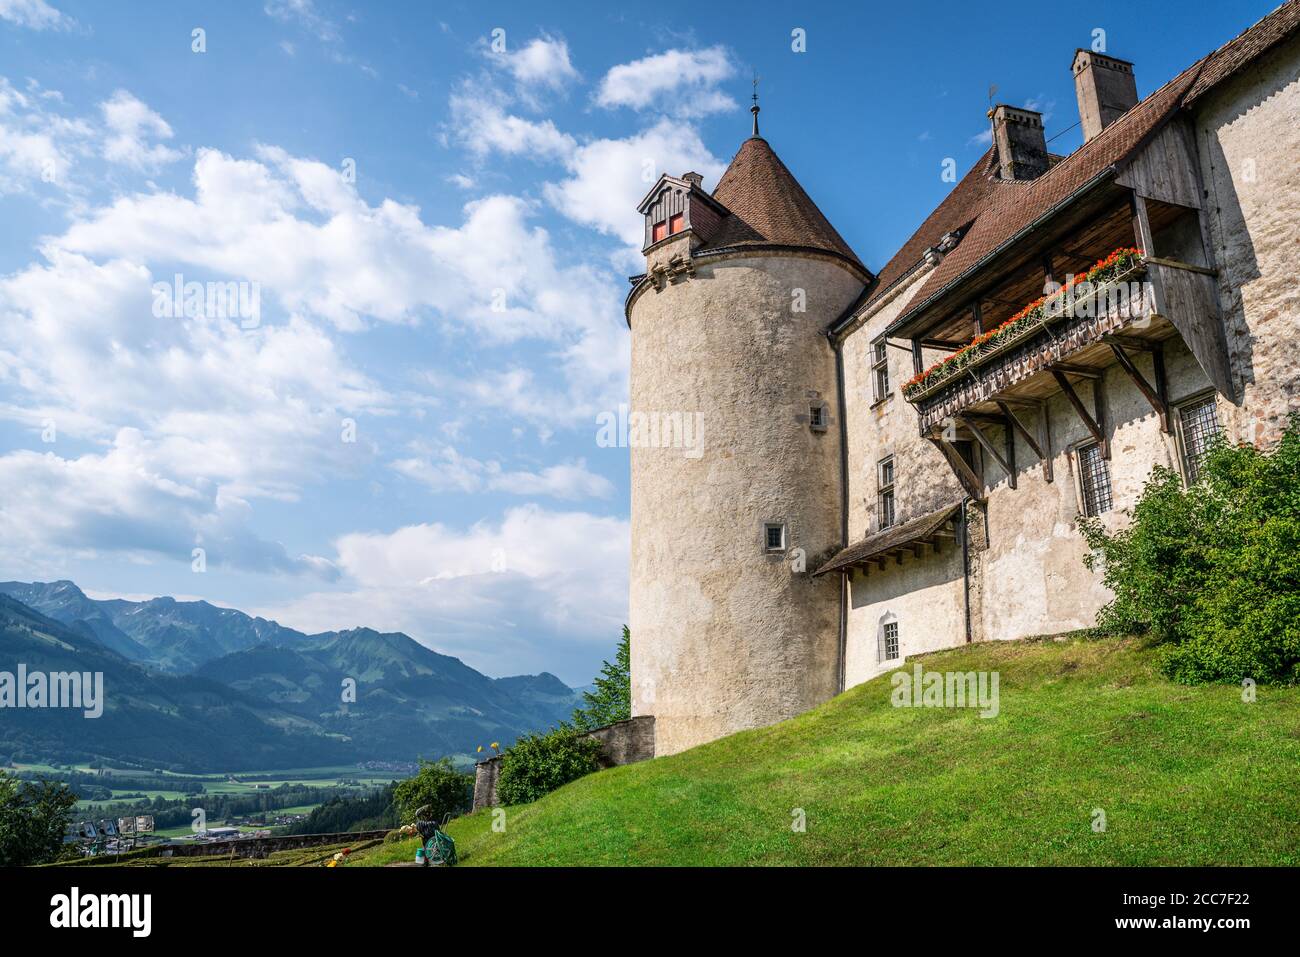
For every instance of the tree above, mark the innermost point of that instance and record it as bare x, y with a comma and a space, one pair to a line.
612, 698
437, 784
1213, 570
537, 764
33, 818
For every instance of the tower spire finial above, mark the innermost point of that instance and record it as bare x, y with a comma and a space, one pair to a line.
754, 109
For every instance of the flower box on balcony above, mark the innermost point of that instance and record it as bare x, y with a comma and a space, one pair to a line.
1121, 266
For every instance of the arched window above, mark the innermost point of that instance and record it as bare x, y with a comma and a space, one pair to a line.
887, 647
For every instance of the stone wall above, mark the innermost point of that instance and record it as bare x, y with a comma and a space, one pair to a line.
1248, 136
728, 635
623, 742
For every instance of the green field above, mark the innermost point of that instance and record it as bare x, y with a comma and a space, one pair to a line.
1184, 776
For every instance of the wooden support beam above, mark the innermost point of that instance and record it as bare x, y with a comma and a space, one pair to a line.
1089, 423
977, 310
951, 345
1030, 439
969, 480
1082, 371
917, 362
1149, 392
984, 441
1132, 342
1045, 438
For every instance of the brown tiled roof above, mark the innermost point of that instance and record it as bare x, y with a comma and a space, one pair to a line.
957, 211
1001, 214
916, 530
1248, 45
768, 206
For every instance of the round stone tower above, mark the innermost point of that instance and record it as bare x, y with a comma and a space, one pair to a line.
734, 429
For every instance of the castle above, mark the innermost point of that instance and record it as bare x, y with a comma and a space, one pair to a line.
892, 462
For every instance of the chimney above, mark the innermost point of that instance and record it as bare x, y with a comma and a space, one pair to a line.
695, 179
1105, 87
1022, 147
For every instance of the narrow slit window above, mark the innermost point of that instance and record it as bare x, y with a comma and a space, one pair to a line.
889, 641
885, 491
1094, 480
1199, 423
880, 368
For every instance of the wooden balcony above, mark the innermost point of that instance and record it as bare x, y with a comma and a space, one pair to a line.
1075, 341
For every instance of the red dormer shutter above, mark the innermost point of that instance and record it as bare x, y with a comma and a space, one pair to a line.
659, 232
676, 223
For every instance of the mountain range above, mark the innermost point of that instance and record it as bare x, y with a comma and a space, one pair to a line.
193, 687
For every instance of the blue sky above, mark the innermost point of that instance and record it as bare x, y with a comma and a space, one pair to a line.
437, 229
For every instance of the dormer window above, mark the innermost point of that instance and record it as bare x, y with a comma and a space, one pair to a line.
660, 231
676, 223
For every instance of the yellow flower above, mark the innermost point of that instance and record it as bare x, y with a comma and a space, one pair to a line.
480, 749
496, 746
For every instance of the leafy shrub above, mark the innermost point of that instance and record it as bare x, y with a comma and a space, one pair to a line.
438, 784
1213, 570
537, 764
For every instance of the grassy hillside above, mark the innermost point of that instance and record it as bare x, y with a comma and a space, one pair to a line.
1185, 775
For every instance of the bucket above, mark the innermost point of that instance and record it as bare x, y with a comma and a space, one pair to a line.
419, 856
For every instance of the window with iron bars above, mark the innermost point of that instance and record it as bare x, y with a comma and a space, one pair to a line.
1094, 480
889, 641
1198, 422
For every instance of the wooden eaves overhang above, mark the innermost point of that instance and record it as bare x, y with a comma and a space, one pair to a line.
931, 531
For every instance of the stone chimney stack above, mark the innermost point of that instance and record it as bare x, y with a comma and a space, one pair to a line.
1106, 90
1021, 144
695, 179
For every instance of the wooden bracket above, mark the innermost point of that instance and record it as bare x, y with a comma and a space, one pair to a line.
1006, 466
1153, 394
1041, 444
1091, 424
969, 480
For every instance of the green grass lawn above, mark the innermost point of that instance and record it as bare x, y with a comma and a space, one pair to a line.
1184, 775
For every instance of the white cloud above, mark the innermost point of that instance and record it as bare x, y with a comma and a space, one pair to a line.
536, 589
131, 124
305, 15
480, 121
543, 62
36, 14
677, 82
611, 175
36, 144
448, 470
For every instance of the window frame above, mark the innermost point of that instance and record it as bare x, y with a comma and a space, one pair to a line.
886, 491
818, 420
881, 386
1208, 397
884, 640
1081, 467
768, 528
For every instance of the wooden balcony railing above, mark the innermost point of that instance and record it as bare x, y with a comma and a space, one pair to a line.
998, 369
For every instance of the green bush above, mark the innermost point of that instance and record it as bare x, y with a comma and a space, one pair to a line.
537, 764
437, 784
1213, 570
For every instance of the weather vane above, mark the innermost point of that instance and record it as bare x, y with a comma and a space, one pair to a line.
754, 109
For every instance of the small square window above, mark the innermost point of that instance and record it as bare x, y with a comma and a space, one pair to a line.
889, 641
1198, 422
1094, 480
774, 537
817, 417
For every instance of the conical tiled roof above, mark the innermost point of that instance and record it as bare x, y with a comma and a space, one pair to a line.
768, 205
